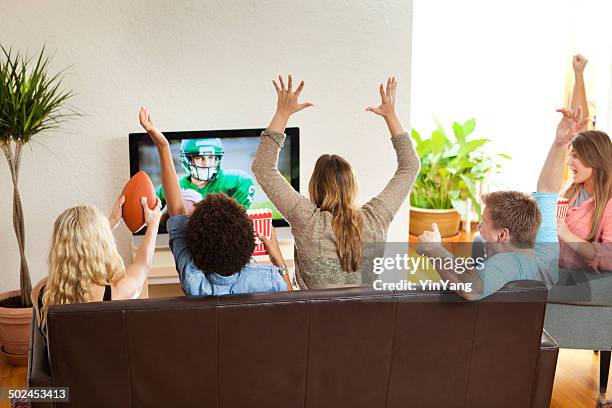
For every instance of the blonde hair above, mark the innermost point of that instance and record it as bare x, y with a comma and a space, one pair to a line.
83, 254
333, 188
594, 150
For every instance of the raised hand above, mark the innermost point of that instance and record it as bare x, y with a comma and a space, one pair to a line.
579, 62
145, 119
570, 125
151, 216
147, 124
429, 240
287, 102
116, 213
387, 96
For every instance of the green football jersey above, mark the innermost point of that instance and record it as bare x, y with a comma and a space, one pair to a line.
235, 183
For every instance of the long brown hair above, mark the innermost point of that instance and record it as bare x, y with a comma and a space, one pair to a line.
333, 188
594, 150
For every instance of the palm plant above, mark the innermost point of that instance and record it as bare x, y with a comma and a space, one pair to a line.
31, 101
451, 169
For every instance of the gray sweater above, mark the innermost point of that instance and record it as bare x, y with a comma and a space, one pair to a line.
317, 258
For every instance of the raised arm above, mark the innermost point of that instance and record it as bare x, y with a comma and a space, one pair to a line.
430, 245
265, 163
131, 286
388, 202
172, 191
551, 175
287, 103
115, 216
579, 98
386, 109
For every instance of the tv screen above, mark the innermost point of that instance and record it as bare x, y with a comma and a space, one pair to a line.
210, 161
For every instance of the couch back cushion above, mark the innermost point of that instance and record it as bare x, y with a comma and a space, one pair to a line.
326, 348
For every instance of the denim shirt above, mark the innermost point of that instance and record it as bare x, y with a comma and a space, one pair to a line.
251, 278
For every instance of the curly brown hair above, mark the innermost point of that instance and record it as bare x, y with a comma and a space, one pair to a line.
220, 235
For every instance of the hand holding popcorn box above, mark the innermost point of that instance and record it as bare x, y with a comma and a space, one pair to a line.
562, 206
262, 224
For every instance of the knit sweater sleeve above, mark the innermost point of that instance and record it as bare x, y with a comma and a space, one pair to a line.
386, 204
293, 206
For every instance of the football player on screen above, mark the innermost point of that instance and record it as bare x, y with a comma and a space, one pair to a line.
202, 158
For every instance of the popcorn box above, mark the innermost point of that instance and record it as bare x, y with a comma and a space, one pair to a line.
262, 224
562, 206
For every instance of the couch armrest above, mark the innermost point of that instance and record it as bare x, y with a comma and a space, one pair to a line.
545, 372
39, 372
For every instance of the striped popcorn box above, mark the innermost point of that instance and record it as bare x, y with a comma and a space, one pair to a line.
562, 206
262, 224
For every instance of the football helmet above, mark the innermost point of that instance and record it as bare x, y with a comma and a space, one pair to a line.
202, 157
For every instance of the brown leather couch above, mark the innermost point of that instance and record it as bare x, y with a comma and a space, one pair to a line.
325, 348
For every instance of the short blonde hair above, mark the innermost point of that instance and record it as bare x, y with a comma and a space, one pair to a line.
515, 211
83, 254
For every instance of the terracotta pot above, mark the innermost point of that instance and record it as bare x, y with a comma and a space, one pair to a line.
421, 219
15, 359
14, 327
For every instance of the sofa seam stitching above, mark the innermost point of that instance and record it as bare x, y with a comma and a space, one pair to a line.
467, 383
127, 356
217, 353
537, 365
307, 354
395, 307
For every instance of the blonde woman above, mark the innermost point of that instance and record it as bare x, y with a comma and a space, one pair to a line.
84, 265
332, 233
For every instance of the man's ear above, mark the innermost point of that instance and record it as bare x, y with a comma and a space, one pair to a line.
504, 235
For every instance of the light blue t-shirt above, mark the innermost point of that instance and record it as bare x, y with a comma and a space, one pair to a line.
252, 277
510, 266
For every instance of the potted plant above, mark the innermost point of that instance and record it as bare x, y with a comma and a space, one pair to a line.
31, 101
450, 172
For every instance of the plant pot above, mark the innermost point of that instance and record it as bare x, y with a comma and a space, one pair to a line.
14, 359
421, 219
15, 328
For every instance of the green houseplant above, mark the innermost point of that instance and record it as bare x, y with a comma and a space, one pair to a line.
451, 169
31, 101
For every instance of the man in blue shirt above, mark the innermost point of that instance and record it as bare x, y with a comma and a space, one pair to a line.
212, 248
519, 231
520, 238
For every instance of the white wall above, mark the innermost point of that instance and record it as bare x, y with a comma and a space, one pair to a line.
508, 65
199, 65
595, 41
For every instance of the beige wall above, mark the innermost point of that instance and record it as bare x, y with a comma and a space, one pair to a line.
198, 65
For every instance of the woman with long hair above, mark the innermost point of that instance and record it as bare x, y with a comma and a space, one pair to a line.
587, 229
585, 236
335, 238
586, 232
84, 265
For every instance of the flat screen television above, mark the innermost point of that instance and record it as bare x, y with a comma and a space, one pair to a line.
219, 159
